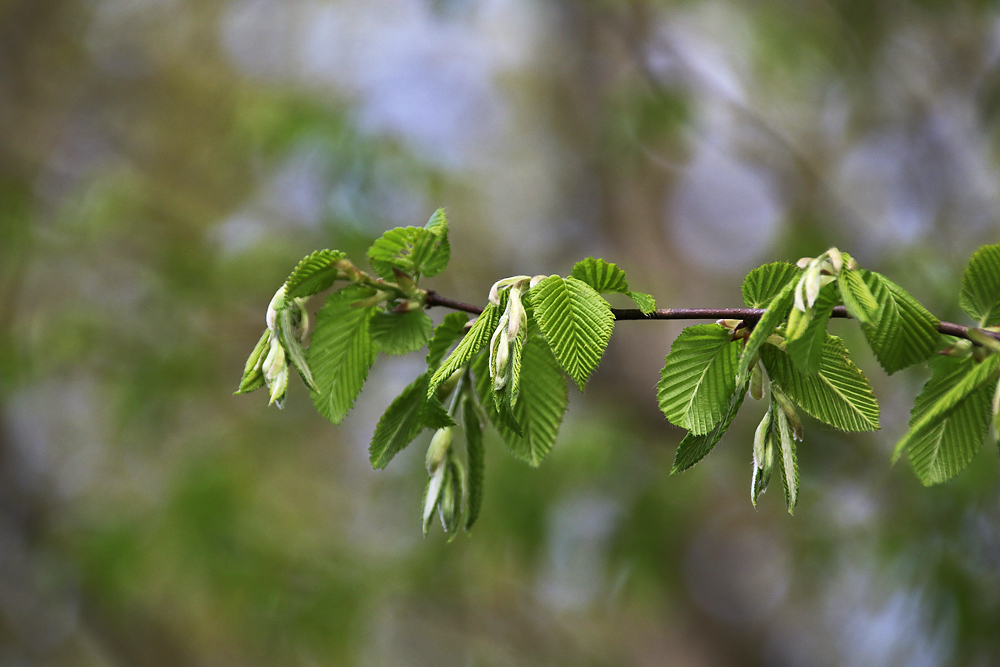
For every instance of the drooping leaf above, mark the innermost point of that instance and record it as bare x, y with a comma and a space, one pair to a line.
694, 448
315, 273
950, 418
698, 377
341, 352
857, 298
400, 424
765, 282
838, 394
777, 308
415, 250
576, 321
902, 332
253, 377
806, 331
980, 295
445, 335
539, 411
602, 275
763, 455
476, 458
400, 333
477, 337
289, 338
789, 461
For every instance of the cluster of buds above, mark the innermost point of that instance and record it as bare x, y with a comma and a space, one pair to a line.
446, 485
287, 323
818, 272
512, 327
779, 422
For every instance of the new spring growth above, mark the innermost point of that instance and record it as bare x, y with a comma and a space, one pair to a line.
275, 365
818, 272
511, 326
438, 449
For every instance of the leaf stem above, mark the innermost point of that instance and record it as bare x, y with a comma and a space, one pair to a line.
747, 314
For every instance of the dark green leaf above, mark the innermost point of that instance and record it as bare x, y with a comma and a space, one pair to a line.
400, 424
698, 377
980, 295
400, 333
694, 448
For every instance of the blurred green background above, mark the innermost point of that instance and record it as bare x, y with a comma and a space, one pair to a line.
164, 164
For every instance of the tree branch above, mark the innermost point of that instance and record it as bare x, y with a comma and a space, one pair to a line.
745, 314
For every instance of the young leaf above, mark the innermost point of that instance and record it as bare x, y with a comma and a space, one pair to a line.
475, 456
902, 332
806, 331
980, 295
415, 250
777, 308
789, 462
400, 424
698, 377
539, 410
341, 352
646, 303
315, 273
606, 277
763, 455
857, 298
478, 336
576, 321
694, 448
289, 339
950, 418
445, 335
253, 377
838, 394
400, 333
765, 282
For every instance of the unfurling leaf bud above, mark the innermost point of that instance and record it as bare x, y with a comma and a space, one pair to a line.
836, 260
432, 494
438, 449
277, 303
275, 368
405, 282
450, 507
757, 382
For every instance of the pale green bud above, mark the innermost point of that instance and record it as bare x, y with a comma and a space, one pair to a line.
836, 260
277, 302
438, 449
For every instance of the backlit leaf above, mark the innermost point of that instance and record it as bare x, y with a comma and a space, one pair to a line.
980, 295
315, 273
902, 332
765, 282
698, 377
400, 333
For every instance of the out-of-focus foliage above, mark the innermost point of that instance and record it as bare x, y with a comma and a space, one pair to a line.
163, 164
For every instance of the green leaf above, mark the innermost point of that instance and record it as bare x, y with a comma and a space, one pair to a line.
341, 352
980, 295
698, 377
400, 333
253, 377
445, 335
857, 298
475, 456
576, 321
902, 332
646, 303
694, 448
539, 411
765, 282
838, 395
288, 336
763, 455
789, 461
400, 424
777, 308
478, 336
950, 418
315, 273
602, 275
806, 331
415, 250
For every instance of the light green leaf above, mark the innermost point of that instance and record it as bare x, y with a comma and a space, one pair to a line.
602, 275
765, 282
415, 250
445, 335
806, 331
646, 303
789, 461
902, 332
950, 418
698, 377
576, 321
477, 337
400, 424
980, 295
694, 448
341, 352
289, 338
539, 411
475, 455
400, 333
763, 455
253, 377
838, 395
857, 298
777, 308
315, 273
